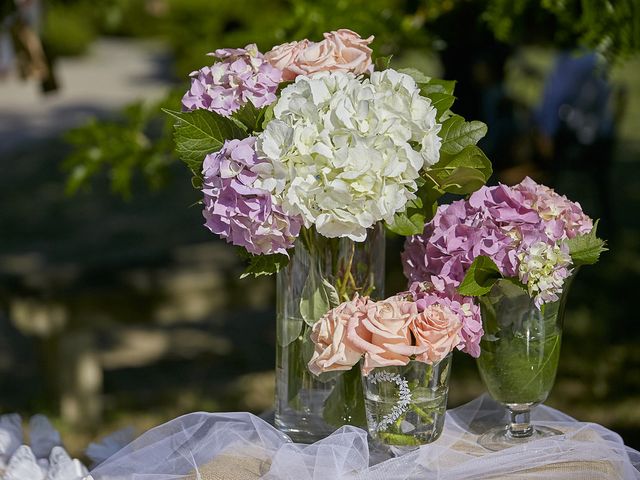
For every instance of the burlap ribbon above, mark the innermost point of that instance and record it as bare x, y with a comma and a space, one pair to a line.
232, 467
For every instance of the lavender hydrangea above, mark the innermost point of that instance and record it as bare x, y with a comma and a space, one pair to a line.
243, 75
457, 234
442, 290
520, 228
565, 218
237, 211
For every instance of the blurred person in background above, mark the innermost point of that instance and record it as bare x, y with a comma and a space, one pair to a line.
21, 44
575, 124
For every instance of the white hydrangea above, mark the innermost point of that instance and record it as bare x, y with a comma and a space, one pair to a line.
345, 152
543, 269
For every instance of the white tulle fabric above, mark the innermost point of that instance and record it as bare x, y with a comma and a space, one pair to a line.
204, 446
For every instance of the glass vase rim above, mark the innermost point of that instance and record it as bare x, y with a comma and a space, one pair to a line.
412, 361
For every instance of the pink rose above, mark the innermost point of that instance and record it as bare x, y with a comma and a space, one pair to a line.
283, 56
342, 50
437, 330
351, 52
383, 334
333, 350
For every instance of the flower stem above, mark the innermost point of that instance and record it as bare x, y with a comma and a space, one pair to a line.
398, 439
427, 417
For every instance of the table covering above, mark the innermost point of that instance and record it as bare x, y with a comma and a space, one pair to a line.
241, 446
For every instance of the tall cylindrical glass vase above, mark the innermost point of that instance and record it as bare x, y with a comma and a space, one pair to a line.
322, 273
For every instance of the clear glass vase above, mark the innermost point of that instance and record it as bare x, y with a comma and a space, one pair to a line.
322, 272
406, 405
519, 359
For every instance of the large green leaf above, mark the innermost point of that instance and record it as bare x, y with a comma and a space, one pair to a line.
201, 132
480, 277
436, 85
586, 249
457, 134
462, 173
250, 117
469, 157
441, 102
463, 180
406, 225
419, 77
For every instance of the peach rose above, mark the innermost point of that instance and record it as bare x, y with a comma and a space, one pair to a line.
342, 50
333, 350
282, 56
437, 330
352, 52
384, 335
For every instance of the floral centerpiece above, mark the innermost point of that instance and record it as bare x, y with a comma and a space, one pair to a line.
516, 249
405, 343
301, 154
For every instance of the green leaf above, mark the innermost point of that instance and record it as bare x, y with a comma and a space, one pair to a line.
586, 249
407, 225
419, 77
441, 102
201, 132
480, 277
317, 298
444, 87
470, 157
296, 366
462, 173
457, 134
463, 180
440, 86
268, 115
332, 293
382, 63
250, 117
263, 264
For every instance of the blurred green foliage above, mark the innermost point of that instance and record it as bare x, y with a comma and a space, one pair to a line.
138, 140
66, 32
611, 27
191, 28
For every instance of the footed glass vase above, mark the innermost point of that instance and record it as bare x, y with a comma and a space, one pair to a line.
406, 405
322, 273
519, 359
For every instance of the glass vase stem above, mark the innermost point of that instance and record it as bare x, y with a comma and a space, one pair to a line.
520, 422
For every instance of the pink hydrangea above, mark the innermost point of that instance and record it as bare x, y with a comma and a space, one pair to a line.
243, 75
565, 218
450, 243
442, 291
505, 224
238, 212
